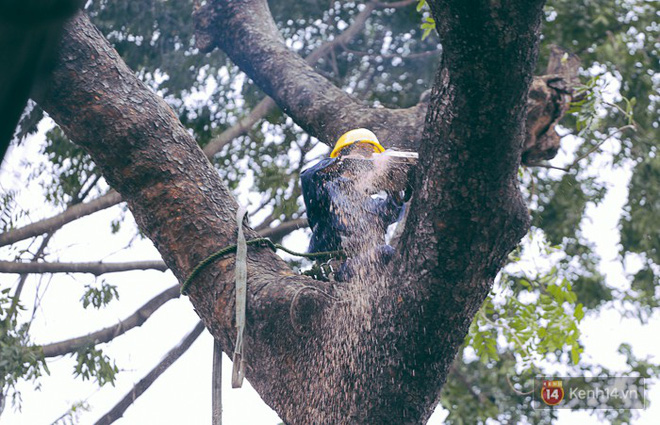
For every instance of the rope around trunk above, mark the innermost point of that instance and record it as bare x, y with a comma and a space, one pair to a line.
264, 242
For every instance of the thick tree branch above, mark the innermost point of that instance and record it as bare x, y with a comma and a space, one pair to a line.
108, 334
267, 104
96, 269
143, 385
245, 30
29, 32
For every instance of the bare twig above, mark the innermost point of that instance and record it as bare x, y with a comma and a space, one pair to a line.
51, 224
458, 374
394, 4
508, 380
587, 153
173, 355
98, 269
543, 165
392, 56
23, 278
108, 334
595, 148
93, 268
83, 194
284, 229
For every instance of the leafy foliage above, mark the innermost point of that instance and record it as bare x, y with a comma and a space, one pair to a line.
92, 363
71, 166
639, 230
19, 359
428, 24
10, 211
99, 297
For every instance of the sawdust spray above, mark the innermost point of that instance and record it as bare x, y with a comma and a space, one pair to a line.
347, 338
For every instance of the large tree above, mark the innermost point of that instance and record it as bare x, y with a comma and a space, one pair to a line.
316, 354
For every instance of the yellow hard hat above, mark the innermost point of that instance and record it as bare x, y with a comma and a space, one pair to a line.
359, 135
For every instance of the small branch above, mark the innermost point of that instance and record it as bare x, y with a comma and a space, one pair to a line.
394, 4
586, 154
51, 224
108, 334
345, 37
85, 192
284, 229
243, 126
542, 165
173, 355
469, 386
93, 268
98, 269
508, 380
392, 56
78, 199
590, 151
23, 278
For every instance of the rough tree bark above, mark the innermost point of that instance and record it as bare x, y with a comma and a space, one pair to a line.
466, 213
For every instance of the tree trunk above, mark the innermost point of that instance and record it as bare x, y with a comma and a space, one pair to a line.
377, 349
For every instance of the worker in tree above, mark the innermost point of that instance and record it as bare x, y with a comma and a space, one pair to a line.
345, 208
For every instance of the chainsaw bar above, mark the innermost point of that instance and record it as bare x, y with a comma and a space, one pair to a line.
398, 156
401, 154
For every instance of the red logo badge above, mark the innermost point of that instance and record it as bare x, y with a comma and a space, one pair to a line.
552, 392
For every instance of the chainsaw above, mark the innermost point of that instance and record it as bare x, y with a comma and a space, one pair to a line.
403, 157
394, 157
398, 168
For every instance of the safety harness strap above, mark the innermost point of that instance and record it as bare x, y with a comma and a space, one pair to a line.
238, 371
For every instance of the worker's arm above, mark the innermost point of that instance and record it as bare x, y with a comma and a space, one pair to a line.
389, 209
314, 194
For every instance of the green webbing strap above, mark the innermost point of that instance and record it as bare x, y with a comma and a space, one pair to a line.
238, 368
257, 241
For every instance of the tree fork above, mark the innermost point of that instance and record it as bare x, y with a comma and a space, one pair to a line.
465, 218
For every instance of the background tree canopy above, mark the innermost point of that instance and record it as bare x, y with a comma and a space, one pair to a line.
381, 53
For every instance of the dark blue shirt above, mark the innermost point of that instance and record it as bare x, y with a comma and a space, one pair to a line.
330, 197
